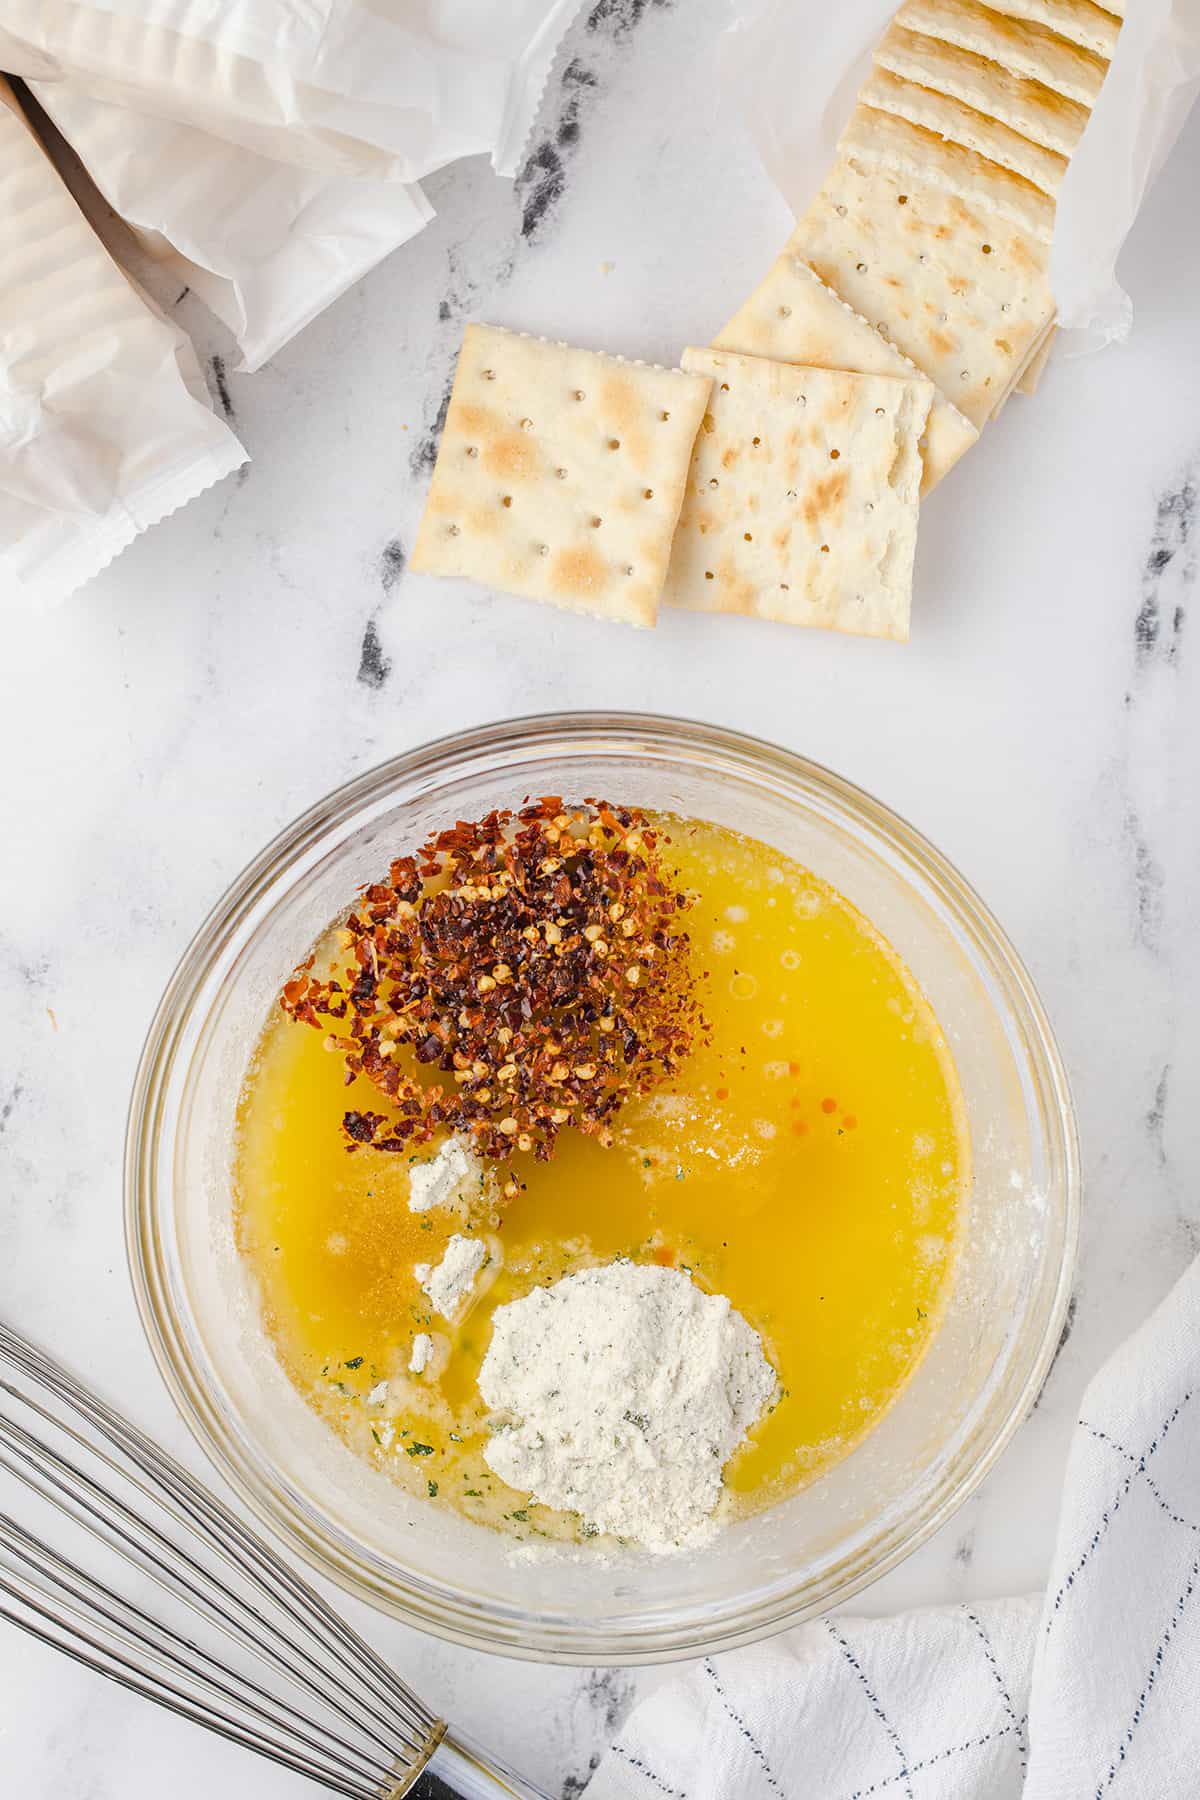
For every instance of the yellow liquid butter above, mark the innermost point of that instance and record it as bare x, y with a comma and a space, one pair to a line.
810, 1163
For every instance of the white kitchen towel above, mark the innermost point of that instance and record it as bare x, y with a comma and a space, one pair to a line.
1087, 1692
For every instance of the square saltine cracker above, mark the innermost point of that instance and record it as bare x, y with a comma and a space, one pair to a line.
802, 496
793, 317
560, 474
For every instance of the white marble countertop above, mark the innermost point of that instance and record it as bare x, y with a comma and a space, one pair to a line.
1043, 728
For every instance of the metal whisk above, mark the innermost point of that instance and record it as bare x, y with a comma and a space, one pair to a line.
284, 1676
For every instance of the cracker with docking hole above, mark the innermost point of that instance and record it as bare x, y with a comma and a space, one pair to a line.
792, 317
1092, 27
560, 474
963, 293
1024, 49
960, 124
882, 140
1025, 107
802, 496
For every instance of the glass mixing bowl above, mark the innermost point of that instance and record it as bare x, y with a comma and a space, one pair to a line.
430, 1567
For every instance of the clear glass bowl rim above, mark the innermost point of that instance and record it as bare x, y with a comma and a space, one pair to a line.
159, 1067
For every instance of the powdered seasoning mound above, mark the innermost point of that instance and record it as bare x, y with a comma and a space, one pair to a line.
622, 1393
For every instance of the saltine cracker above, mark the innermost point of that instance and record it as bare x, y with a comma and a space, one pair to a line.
560, 474
802, 496
1018, 45
886, 141
963, 293
961, 124
1034, 112
793, 317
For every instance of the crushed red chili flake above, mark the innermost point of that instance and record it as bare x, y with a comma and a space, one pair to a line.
537, 959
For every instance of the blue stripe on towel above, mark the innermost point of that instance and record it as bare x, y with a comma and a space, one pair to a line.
939, 1756
1156, 1663
1110, 1513
635, 1762
876, 1708
743, 1727
994, 1666
1103, 1438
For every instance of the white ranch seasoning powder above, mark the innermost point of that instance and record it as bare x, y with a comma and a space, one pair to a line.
448, 1284
440, 1180
627, 1389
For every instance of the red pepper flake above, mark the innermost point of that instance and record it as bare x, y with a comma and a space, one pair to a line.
664, 1255
828, 1106
850, 1123
535, 964
800, 1128
722, 1093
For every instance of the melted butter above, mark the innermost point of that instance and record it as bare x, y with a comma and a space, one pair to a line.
810, 1163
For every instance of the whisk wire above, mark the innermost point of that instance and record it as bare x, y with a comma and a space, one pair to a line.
61, 1581
55, 1484
196, 1510
346, 1720
75, 1642
232, 1543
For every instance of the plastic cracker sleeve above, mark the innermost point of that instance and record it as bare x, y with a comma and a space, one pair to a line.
387, 88
266, 245
1153, 81
795, 88
105, 423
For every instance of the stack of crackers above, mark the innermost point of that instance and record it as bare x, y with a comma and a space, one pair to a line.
779, 473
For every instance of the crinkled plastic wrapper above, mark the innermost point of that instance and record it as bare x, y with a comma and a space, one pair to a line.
794, 77
105, 421
385, 88
268, 152
266, 245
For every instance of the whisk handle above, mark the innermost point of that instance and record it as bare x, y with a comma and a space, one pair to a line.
458, 1770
